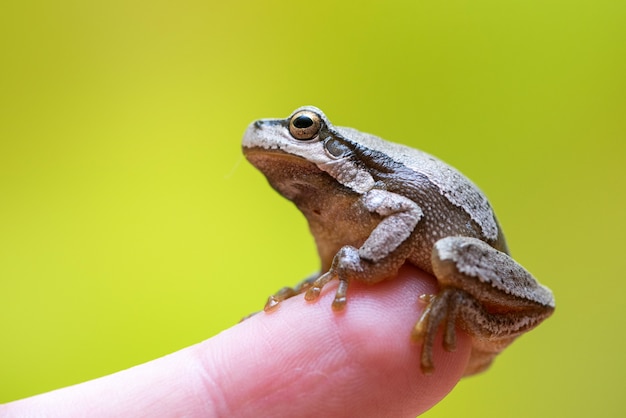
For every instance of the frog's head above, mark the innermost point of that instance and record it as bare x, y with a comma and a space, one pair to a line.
305, 151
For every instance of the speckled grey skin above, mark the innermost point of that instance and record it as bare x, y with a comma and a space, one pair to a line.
373, 205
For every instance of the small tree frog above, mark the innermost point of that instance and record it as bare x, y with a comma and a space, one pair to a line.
373, 205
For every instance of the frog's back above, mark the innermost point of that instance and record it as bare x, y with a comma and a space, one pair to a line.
440, 190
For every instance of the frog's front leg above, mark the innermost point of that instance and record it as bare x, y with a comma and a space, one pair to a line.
485, 293
382, 253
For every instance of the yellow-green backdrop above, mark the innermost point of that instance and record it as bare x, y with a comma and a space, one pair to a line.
131, 227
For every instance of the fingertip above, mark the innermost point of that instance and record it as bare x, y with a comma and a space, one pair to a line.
361, 362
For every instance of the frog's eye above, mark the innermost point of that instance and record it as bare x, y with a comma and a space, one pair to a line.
305, 125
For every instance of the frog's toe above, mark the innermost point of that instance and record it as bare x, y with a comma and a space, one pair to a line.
441, 309
274, 300
341, 296
271, 304
419, 330
314, 290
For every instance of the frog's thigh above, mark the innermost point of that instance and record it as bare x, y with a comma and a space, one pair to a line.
491, 276
500, 299
484, 292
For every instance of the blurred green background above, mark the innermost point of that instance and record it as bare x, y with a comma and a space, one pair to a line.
130, 226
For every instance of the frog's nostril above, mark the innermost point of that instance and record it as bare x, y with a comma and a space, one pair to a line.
258, 124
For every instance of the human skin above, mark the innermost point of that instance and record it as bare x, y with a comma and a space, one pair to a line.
301, 360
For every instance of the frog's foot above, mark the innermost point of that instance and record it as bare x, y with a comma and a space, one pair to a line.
346, 262
441, 309
287, 292
453, 308
340, 296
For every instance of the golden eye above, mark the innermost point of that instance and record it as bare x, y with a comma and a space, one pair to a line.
305, 125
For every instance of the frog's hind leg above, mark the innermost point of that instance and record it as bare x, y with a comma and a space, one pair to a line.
486, 294
286, 292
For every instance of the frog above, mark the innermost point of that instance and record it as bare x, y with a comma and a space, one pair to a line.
373, 205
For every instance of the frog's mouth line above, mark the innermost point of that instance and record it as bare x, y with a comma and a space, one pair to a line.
265, 155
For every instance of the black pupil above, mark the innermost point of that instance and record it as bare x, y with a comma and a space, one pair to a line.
302, 122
